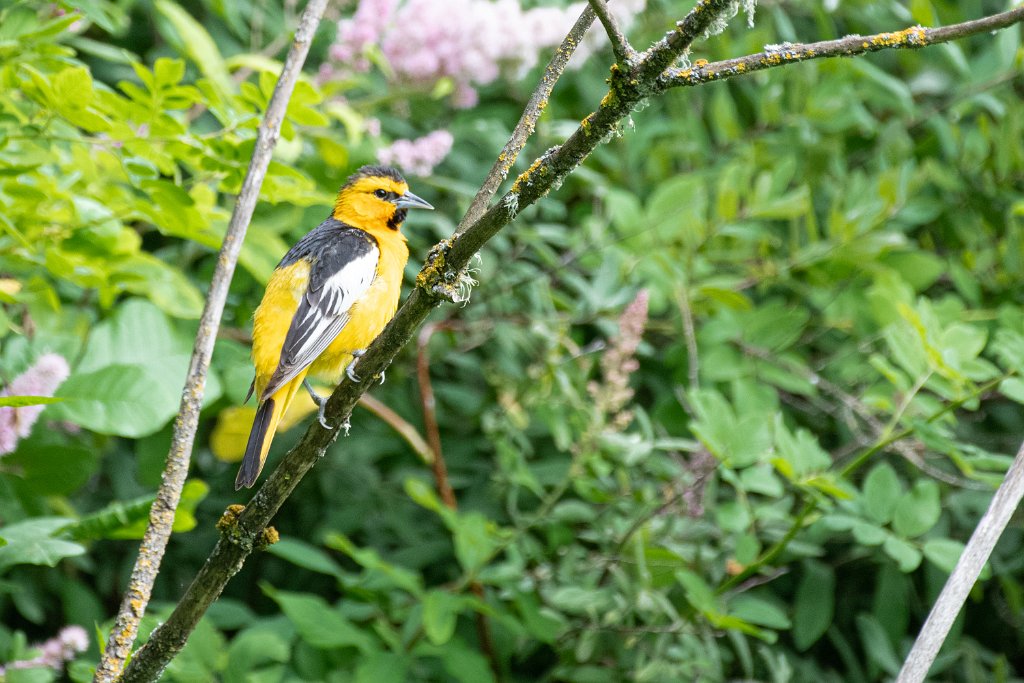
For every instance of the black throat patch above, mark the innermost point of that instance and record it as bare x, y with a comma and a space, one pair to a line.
395, 222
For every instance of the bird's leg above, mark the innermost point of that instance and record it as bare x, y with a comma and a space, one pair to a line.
350, 370
321, 404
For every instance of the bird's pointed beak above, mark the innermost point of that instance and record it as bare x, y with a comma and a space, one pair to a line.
411, 201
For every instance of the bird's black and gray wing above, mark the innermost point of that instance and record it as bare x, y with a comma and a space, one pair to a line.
343, 263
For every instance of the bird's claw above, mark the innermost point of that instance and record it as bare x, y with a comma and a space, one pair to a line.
350, 371
321, 405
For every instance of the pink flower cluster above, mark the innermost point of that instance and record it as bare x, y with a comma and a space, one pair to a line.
42, 379
417, 157
470, 41
613, 394
56, 651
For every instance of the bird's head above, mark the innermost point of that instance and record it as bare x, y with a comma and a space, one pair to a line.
375, 197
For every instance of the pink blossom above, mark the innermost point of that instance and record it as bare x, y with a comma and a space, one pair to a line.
54, 652
613, 393
472, 42
418, 157
42, 379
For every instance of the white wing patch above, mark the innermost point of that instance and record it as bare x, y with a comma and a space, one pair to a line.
322, 314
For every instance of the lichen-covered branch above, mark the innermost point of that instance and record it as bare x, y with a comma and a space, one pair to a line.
528, 121
623, 51
439, 280
965, 574
776, 55
161, 516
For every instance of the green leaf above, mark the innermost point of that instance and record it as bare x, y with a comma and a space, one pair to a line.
307, 556
1012, 388
440, 612
253, 648
814, 604
918, 510
369, 559
164, 285
475, 541
754, 609
876, 644
51, 464
800, 451
22, 401
882, 492
698, 593
32, 542
193, 493
116, 400
72, 87
318, 623
197, 43
944, 553
129, 380
383, 667
907, 557
580, 600
112, 518
465, 664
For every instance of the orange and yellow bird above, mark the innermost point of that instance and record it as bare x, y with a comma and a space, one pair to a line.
328, 298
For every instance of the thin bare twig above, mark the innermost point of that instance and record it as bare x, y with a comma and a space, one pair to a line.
913, 37
444, 487
624, 52
690, 335
400, 425
951, 600
429, 406
527, 122
161, 516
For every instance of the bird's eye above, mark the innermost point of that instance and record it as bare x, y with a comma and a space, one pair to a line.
380, 193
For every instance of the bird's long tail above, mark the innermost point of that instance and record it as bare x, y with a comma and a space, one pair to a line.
262, 435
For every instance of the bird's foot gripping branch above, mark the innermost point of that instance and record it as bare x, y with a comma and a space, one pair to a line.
442, 282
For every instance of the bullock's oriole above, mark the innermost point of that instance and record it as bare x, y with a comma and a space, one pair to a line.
328, 298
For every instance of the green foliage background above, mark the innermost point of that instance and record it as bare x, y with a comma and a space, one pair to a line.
840, 242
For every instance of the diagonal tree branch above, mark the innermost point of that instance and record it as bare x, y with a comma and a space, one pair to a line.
536, 105
161, 515
624, 52
775, 55
946, 609
439, 280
